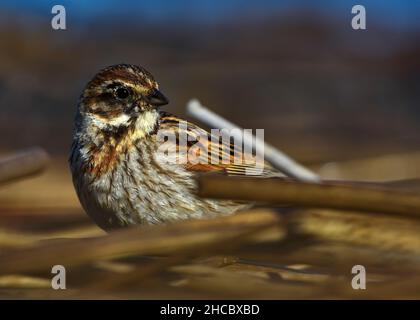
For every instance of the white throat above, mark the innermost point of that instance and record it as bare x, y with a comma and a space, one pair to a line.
144, 124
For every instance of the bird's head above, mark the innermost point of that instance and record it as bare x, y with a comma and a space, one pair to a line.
121, 96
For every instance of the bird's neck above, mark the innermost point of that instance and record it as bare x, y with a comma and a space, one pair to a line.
92, 130
101, 148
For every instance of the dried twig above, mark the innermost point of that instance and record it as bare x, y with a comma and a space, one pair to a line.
277, 158
21, 164
326, 195
175, 238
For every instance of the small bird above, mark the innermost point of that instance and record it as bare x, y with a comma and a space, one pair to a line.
118, 172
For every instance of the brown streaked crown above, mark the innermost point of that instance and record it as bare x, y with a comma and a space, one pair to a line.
116, 89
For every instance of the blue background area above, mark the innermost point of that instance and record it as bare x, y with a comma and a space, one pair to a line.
394, 13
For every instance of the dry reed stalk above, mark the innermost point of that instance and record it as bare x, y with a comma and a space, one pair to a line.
19, 239
224, 244
225, 283
22, 164
396, 235
277, 158
169, 239
24, 282
335, 264
336, 258
325, 195
268, 272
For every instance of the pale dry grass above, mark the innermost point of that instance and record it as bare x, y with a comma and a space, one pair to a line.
286, 253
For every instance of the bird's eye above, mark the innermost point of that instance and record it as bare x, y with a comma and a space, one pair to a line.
122, 93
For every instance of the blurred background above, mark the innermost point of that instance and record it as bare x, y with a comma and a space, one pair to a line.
343, 102
326, 94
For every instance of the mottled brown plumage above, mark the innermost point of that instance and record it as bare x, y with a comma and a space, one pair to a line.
119, 171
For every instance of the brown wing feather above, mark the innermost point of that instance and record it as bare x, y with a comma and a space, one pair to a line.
201, 145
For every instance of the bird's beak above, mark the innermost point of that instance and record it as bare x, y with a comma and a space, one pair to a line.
156, 98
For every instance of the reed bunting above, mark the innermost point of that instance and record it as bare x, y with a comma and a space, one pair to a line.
119, 173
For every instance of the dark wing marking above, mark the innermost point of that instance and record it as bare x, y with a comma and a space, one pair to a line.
209, 153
